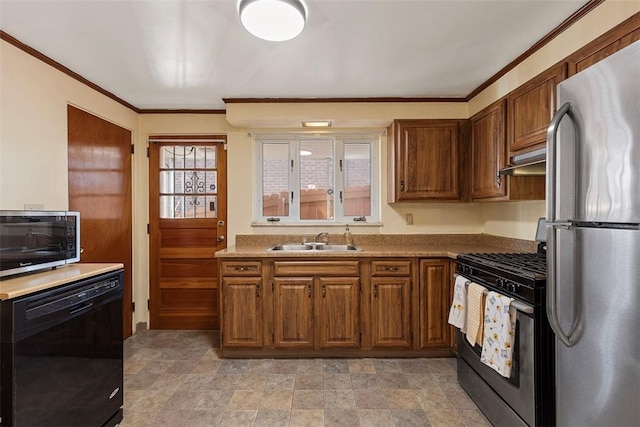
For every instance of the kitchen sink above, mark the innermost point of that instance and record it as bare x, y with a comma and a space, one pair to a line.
291, 247
338, 248
312, 247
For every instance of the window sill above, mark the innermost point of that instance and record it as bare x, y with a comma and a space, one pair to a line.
318, 224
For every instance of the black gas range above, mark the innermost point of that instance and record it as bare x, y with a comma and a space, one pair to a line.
519, 275
527, 398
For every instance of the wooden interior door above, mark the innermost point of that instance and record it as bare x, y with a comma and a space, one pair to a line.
187, 225
99, 156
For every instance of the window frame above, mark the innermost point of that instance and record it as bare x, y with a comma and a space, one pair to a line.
338, 144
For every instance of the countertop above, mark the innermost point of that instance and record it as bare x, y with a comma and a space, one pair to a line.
381, 246
35, 282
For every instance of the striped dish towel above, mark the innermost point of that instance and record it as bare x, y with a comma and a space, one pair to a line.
475, 313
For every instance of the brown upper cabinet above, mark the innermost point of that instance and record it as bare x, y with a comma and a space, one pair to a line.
609, 43
489, 155
424, 160
530, 108
488, 152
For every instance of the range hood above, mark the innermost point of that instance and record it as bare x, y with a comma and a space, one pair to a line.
527, 164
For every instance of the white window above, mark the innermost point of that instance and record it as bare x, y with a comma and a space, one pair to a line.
317, 180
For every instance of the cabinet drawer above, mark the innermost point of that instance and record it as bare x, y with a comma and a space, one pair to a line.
391, 268
320, 268
241, 268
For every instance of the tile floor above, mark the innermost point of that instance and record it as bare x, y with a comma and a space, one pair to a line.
176, 378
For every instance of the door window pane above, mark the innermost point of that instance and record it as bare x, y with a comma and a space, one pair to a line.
316, 179
275, 179
357, 179
188, 181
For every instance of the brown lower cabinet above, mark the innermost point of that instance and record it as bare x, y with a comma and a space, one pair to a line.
391, 312
293, 312
355, 307
242, 312
316, 312
435, 300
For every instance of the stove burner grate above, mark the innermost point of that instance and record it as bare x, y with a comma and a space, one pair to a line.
524, 265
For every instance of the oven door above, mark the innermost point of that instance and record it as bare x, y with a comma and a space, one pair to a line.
518, 391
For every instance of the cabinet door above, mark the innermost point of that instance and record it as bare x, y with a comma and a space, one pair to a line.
242, 312
391, 312
488, 152
434, 303
338, 312
293, 312
530, 109
609, 43
425, 160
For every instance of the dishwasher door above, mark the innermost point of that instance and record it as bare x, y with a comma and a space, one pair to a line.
62, 355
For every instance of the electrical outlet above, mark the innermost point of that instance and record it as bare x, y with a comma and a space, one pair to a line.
34, 206
409, 218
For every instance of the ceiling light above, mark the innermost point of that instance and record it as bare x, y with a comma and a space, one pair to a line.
316, 123
305, 152
273, 20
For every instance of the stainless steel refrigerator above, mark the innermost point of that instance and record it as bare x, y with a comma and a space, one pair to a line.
593, 243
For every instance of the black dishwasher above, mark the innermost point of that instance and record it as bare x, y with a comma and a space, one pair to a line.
62, 355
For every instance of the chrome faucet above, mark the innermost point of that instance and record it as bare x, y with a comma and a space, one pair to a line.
324, 236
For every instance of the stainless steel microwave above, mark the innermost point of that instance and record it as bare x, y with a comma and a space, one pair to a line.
37, 240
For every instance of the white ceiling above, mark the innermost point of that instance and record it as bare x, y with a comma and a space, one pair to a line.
189, 54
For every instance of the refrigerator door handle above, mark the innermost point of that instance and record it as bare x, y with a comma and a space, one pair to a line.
552, 143
571, 338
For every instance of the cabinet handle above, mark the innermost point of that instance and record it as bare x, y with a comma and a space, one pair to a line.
239, 268
375, 291
498, 178
309, 289
392, 268
324, 291
258, 291
401, 185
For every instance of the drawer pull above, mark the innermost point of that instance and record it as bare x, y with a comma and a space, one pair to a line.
241, 268
393, 268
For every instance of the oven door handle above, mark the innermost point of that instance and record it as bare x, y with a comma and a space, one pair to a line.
526, 309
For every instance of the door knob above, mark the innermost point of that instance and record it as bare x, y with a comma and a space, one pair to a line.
220, 239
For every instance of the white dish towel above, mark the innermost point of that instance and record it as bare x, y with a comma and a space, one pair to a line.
499, 333
458, 310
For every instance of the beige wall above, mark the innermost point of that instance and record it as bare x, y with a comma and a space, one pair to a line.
33, 128
33, 144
